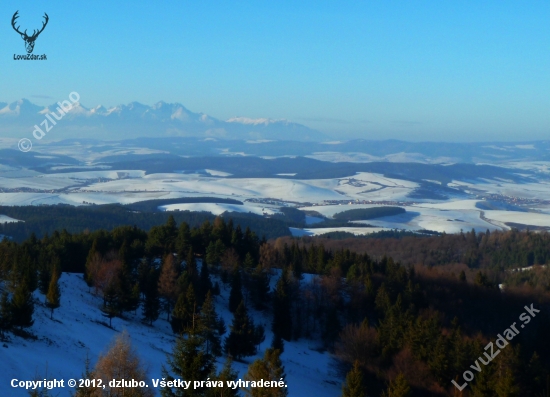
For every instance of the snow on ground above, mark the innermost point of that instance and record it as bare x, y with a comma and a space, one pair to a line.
80, 167
117, 182
322, 230
385, 181
330, 210
10, 199
7, 219
440, 220
310, 220
538, 190
129, 186
279, 188
217, 173
87, 175
451, 205
78, 329
448, 217
524, 218
33, 180
38, 183
218, 209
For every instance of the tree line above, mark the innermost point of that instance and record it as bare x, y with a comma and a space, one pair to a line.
395, 330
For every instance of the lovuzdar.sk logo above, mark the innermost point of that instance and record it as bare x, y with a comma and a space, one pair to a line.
29, 40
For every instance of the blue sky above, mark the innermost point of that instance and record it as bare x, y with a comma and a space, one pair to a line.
413, 70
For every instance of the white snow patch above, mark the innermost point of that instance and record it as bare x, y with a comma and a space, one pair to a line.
218, 209
78, 329
218, 173
7, 219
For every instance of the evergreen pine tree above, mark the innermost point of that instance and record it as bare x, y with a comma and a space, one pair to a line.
5, 314
399, 387
332, 326
53, 296
191, 268
205, 283
240, 342
506, 372
86, 391
91, 264
236, 294
382, 300
44, 273
111, 304
125, 284
536, 372
151, 300
183, 241
248, 263
189, 362
209, 326
483, 385
277, 343
134, 299
268, 368
227, 374
214, 252
178, 315
439, 359
282, 318
185, 311
354, 383
259, 287
22, 306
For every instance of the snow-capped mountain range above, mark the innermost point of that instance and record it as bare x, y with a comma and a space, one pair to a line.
139, 120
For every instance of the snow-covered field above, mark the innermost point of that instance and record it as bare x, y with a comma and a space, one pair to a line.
7, 219
279, 188
448, 221
330, 210
448, 217
129, 186
218, 209
539, 190
78, 329
113, 186
523, 218
322, 230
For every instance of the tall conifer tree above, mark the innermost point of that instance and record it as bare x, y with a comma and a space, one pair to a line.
189, 362
354, 383
241, 340
268, 368
22, 306
236, 294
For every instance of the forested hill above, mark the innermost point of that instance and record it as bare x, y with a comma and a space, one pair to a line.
495, 251
42, 220
391, 327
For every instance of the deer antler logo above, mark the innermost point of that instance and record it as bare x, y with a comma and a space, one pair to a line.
29, 40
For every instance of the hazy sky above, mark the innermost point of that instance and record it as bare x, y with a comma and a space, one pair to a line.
413, 70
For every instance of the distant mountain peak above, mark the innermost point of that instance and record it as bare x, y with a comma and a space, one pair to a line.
160, 119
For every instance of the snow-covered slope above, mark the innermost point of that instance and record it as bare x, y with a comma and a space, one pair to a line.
78, 329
